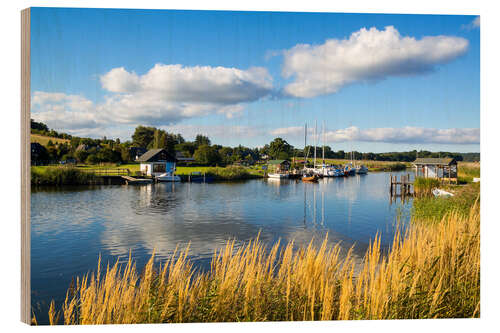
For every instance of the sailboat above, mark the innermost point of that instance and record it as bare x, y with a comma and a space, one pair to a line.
307, 177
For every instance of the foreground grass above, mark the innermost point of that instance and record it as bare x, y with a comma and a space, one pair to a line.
432, 271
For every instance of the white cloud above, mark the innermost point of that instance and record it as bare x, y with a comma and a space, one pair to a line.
120, 81
165, 95
391, 135
61, 111
169, 93
215, 131
368, 55
476, 23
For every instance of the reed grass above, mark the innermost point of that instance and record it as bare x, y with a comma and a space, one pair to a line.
232, 173
424, 186
62, 175
431, 271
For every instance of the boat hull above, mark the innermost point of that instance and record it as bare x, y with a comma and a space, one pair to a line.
167, 179
278, 175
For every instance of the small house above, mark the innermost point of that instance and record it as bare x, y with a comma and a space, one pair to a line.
156, 162
442, 168
278, 166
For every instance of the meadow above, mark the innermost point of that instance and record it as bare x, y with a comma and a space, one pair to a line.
431, 271
44, 140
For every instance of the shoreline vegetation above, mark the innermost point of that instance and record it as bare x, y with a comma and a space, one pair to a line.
82, 174
431, 271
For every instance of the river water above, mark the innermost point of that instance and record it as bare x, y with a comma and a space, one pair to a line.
72, 226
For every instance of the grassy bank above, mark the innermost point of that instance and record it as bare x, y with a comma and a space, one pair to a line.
424, 186
62, 176
432, 271
467, 171
432, 209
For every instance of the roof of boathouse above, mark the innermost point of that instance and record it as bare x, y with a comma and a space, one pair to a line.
435, 161
156, 155
277, 161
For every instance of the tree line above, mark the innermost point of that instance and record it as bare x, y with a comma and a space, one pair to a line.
104, 150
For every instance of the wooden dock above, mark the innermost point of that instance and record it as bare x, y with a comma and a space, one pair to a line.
404, 183
135, 181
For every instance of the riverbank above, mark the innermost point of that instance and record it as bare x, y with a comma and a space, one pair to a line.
432, 271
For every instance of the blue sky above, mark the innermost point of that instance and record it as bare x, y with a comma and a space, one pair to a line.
377, 82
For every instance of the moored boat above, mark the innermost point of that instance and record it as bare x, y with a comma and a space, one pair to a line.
168, 177
310, 179
361, 170
278, 175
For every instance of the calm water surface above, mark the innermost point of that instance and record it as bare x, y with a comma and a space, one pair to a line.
71, 226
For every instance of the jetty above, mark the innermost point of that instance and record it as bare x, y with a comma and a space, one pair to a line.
136, 181
404, 183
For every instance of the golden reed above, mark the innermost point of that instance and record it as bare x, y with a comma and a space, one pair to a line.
431, 271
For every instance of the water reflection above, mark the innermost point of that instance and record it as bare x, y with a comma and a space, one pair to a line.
71, 227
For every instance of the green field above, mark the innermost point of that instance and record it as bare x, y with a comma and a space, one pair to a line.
44, 140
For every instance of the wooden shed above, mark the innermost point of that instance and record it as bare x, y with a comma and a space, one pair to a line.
442, 168
278, 165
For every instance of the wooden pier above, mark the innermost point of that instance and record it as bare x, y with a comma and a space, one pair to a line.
404, 183
134, 181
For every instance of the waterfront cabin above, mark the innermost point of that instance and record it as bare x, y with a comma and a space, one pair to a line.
278, 166
441, 168
156, 162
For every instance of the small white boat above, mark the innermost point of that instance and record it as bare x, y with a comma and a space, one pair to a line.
441, 193
167, 177
278, 175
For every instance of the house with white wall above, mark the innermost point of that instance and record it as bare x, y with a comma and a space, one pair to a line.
156, 162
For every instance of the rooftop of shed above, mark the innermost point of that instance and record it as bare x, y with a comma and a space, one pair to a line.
435, 161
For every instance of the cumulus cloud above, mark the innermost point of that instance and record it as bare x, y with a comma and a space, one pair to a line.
475, 24
165, 95
215, 131
368, 55
392, 135
63, 111
169, 93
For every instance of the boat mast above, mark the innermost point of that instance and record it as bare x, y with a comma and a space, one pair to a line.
323, 139
315, 141
305, 146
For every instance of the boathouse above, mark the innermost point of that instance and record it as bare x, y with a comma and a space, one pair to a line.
156, 162
278, 165
442, 168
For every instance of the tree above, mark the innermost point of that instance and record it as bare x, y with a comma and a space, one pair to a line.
81, 155
143, 136
201, 140
280, 149
92, 159
206, 155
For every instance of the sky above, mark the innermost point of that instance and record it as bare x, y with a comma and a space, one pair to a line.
365, 82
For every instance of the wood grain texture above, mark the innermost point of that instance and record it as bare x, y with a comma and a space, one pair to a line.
25, 168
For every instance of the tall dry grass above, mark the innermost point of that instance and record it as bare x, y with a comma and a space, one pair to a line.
431, 271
